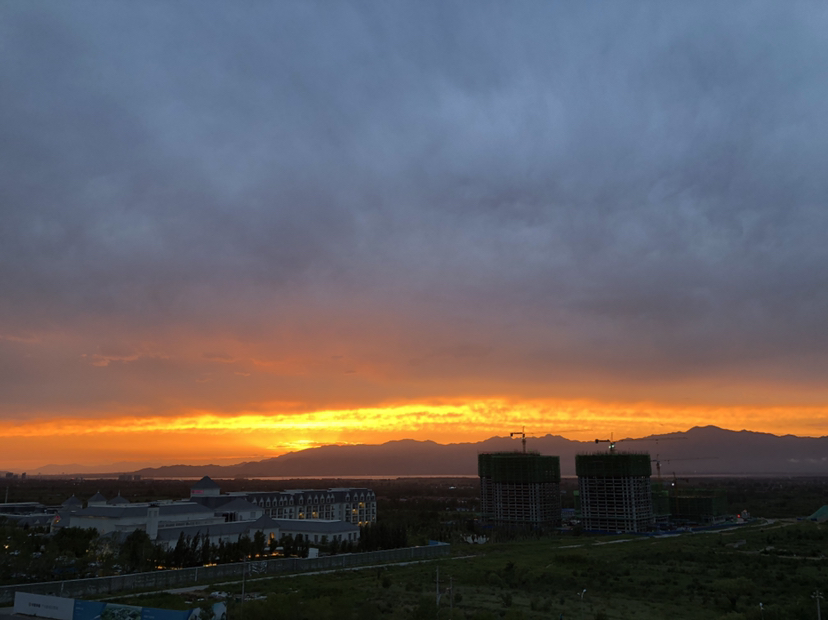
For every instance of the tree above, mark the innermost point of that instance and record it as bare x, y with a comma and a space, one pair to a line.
288, 544
259, 542
207, 549
75, 540
245, 546
194, 550
179, 554
137, 551
301, 546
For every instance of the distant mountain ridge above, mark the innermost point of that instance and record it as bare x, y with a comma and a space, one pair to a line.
707, 450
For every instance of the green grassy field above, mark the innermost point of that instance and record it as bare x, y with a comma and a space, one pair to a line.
723, 574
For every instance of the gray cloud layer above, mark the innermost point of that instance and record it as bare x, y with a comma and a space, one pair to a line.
631, 190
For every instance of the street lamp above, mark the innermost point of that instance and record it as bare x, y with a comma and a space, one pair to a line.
762, 610
581, 594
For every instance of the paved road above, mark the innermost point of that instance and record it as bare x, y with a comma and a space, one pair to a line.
217, 586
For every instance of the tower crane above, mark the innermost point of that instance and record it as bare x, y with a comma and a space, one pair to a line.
522, 434
609, 441
612, 443
658, 462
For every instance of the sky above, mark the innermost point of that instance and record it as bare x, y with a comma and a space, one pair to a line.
230, 231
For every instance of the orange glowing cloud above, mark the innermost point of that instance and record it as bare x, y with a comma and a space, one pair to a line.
203, 436
257, 267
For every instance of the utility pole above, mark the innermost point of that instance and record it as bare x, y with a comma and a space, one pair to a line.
818, 596
438, 590
244, 574
439, 595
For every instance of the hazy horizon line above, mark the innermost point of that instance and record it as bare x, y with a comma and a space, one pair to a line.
120, 467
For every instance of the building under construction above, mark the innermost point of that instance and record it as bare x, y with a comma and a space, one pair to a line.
520, 489
701, 506
614, 490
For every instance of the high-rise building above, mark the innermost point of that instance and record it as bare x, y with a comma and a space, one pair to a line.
520, 489
698, 505
614, 489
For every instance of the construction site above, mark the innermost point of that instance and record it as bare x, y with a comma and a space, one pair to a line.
614, 491
698, 506
520, 489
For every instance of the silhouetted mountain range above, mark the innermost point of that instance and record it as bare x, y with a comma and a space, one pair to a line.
705, 450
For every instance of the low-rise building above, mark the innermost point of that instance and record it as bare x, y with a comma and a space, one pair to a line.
357, 506
150, 517
227, 532
318, 515
352, 505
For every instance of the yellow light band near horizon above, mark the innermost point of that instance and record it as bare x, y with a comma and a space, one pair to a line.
202, 435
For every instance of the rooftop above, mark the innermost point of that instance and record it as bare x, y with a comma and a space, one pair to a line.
205, 483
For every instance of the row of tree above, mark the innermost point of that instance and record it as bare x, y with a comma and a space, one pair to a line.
139, 553
34, 555
378, 536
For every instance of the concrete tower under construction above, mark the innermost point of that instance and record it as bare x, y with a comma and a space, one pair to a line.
614, 489
520, 489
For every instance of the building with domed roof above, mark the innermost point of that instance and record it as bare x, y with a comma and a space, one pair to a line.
97, 500
118, 500
73, 503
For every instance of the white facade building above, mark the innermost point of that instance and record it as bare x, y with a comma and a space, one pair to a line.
318, 515
357, 506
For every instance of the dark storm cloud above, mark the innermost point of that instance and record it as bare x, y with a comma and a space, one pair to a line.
632, 189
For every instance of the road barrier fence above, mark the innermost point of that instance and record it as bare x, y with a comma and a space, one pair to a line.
165, 579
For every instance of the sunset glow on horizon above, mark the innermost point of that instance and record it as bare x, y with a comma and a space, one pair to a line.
222, 439
289, 226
